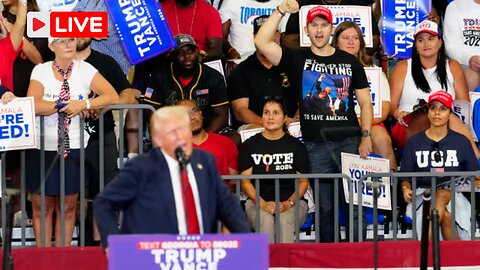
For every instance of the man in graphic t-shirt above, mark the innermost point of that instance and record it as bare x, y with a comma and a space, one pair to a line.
325, 133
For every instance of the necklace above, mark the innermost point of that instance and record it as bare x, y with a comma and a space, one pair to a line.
328, 3
193, 18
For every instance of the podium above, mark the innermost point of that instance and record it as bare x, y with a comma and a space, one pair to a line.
208, 251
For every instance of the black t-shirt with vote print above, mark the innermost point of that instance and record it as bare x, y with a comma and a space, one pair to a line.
286, 155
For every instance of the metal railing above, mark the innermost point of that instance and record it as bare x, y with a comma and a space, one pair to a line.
314, 178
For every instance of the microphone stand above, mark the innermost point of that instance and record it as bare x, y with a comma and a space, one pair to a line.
425, 227
7, 263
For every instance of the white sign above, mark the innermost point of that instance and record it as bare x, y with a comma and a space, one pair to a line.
355, 167
294, 129
462, 109
373, 76
362, 15
462, 184
217, 65
17, 124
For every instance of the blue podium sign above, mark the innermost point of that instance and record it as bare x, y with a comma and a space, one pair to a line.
210, 251
142, 28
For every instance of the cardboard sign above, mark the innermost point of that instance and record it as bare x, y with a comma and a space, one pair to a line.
207, 251
398, 24
362, 15
294, 129
373, 76
142, 28
17, 124
355, 167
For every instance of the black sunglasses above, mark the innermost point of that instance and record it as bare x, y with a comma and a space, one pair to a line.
436, 156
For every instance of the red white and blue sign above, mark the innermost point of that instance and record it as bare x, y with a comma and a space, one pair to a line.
210, 251
398, 25
142, 28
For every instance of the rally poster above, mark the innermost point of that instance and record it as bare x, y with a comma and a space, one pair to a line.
17, 124
398, 25
355, 168
362, 15
142, 28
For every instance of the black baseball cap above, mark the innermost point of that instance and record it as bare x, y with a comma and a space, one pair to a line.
184, 40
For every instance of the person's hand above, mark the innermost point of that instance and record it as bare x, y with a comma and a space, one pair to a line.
285, 206
268, 207
7, 97
74, 107
94, 114
365, 147
477, 181
474, 63
290, 120
399, 115
407, 194
3, 29
433, 16
289, 6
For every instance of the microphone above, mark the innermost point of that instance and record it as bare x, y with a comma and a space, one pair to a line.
181, 157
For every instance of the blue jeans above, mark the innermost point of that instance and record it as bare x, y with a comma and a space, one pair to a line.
325, 158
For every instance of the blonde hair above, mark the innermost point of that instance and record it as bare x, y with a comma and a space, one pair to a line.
164, 114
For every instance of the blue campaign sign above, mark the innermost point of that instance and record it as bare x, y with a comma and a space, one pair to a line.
142, 28
398, 24
207, 251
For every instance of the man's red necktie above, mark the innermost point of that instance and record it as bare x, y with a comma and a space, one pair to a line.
189, 206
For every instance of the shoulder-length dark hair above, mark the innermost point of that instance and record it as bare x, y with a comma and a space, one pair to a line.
362, 56
31, 6
417, 69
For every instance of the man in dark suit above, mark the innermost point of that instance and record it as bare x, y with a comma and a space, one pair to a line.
154, 195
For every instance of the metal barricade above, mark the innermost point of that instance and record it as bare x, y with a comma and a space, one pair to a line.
80, 235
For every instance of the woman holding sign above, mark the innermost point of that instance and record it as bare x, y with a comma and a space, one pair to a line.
273, 151
61, 90
348, 37
439, 149
413, 80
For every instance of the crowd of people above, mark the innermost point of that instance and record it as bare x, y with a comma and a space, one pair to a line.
270, 82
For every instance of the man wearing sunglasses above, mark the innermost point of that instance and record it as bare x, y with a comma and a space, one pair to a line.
440, 149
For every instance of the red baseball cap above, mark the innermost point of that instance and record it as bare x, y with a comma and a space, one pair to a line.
443, 96
319, 11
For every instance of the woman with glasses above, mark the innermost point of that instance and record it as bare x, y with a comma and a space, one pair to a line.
413, 80
273, 151
61, 90
440, 149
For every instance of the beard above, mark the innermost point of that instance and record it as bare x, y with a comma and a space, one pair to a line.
196, 131
82, 46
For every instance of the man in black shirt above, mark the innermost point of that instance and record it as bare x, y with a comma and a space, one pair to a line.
252, 81
112, 72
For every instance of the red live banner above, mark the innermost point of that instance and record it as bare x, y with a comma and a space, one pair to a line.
78, 24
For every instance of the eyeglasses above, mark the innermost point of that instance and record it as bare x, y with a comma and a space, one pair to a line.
63, 41
436, 156
195, 111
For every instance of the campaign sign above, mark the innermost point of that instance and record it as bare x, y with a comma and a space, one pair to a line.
461, 108
475, 115
355, 168
373, 76
142, 28
207, 251
398, 24
362, 15
294, 129
17, 124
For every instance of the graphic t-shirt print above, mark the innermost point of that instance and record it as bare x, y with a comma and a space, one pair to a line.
325, 94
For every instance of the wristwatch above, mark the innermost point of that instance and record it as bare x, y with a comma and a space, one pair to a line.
366, 133
292, 203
